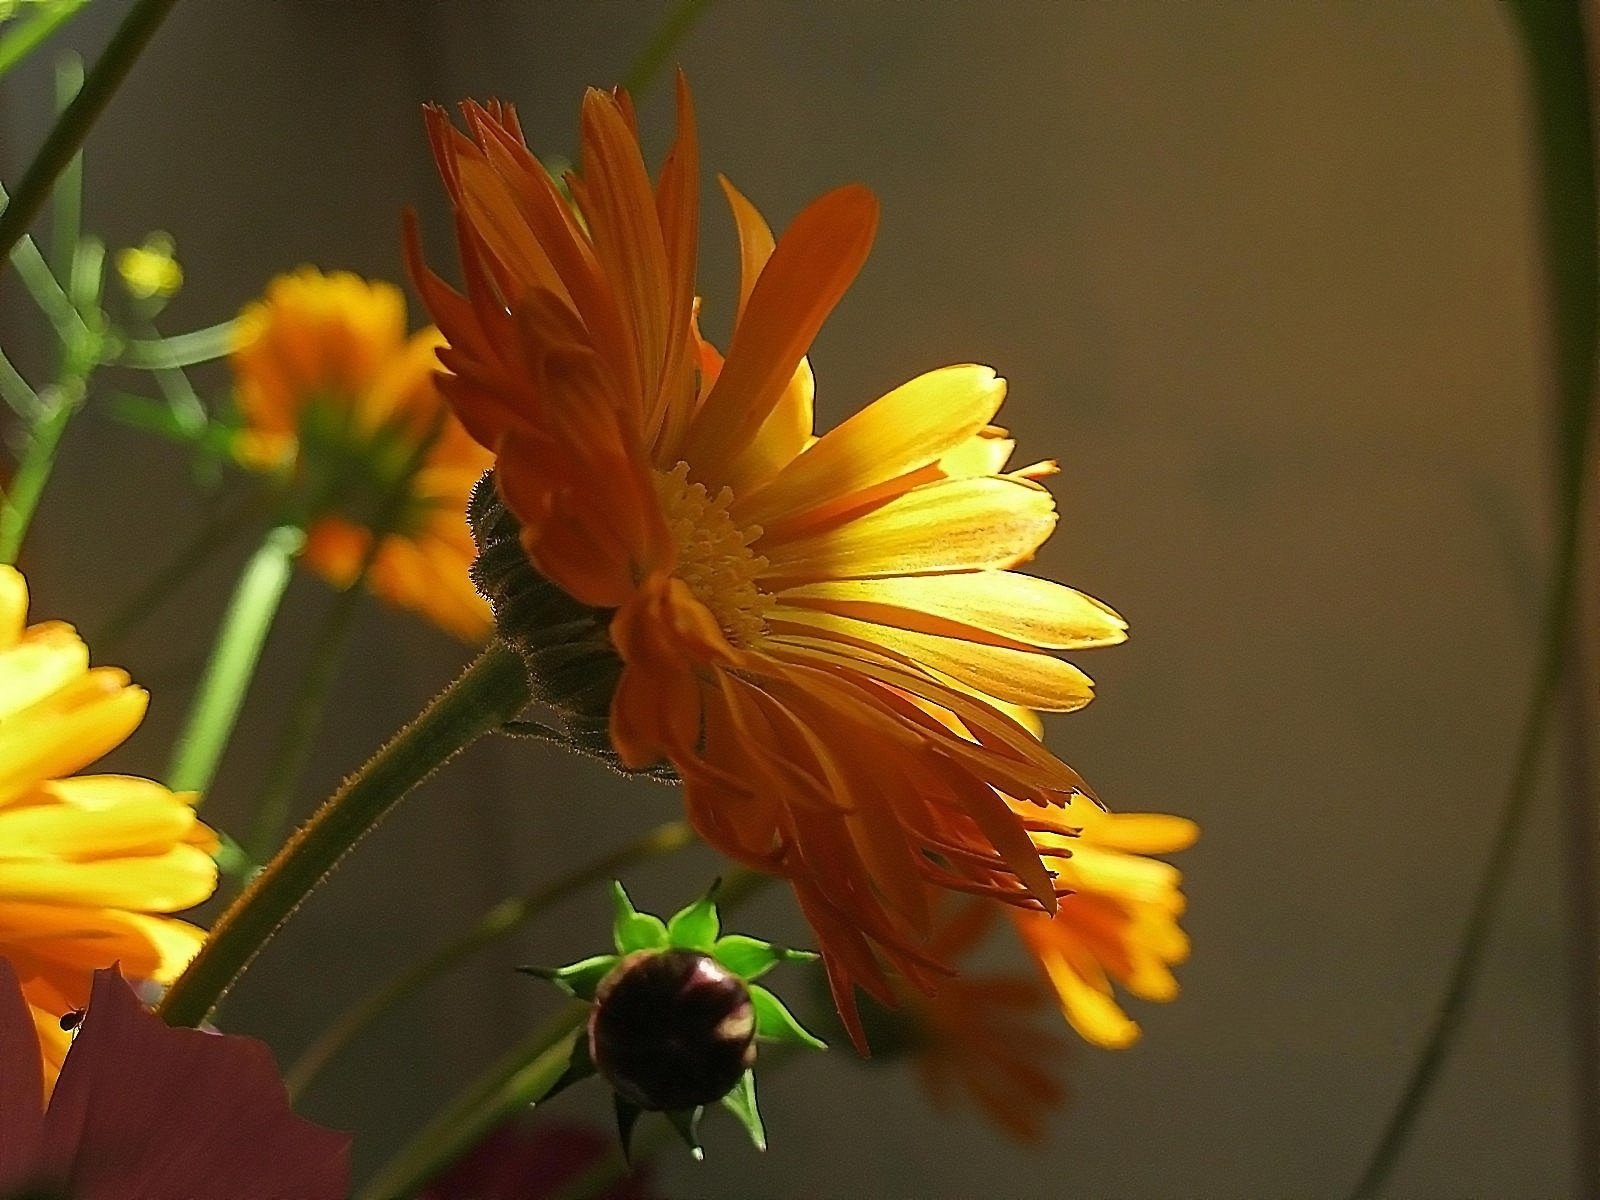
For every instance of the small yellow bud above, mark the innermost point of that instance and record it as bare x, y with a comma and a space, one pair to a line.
150, 270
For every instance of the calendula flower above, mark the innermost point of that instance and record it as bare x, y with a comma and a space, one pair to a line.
145, 1111
786, 616
978, 1035
1120, 922
333, 392
87, 862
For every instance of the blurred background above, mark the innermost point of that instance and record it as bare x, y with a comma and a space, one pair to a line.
1265, 278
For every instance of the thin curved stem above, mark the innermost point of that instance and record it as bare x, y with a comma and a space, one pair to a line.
1554, 40
499, 922
493, 689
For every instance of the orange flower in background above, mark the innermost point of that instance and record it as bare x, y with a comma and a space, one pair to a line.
822, 635
332, 390
87, 862
977, 1035
1120, 922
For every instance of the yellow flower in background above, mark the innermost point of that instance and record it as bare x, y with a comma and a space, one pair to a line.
331, 389
86, 861
1120, 922
823, 636
977, 1036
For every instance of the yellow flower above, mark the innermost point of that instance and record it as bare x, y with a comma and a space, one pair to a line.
332, 390
976, 1034
1119, 923
795, 616
85, 860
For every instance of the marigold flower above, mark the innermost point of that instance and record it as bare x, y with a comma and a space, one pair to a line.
793, 616
331, 389
143, 1111
1119, 923
86, 861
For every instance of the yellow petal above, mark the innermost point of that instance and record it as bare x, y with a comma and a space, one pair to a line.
1019, 607
1020, 676
144, 820
13, 605
67, 730
949, 525
896, 434
177, 879
47, 657
1144, 833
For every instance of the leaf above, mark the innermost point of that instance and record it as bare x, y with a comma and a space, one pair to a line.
687, 1122
751, 958
741, 1102
631, 929
579, 1066
580, 979
696, 927
775, 1023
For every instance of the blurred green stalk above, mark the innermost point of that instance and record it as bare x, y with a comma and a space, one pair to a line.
1556, 48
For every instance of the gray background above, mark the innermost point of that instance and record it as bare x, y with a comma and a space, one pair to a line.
1263, 276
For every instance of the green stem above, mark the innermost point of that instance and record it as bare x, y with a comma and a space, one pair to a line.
210, 538
491, 691
28, 34
294, 749
1554, 41
179, 350
33, 471
500, 921
217, 701
66, 222
73, 125
517, 1082
649, 61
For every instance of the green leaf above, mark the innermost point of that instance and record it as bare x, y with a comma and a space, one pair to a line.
696, 927
631, 929
687, 1122
580, 979
741, 1102
751, 958
775, 1023
579, 1067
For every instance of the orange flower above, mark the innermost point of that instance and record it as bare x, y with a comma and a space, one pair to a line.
88, 863
799, 620
976, 1034
333, 391
1120, 921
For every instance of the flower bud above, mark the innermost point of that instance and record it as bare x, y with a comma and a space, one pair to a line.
672, 1029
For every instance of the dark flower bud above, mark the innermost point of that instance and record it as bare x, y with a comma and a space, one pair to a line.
672, 1029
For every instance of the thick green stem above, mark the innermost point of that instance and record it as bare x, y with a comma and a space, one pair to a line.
491, 691
33, 471
216, 704
1554, 41
70, 129
500, 921
517, 1082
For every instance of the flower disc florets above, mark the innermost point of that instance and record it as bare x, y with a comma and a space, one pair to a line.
672, 1029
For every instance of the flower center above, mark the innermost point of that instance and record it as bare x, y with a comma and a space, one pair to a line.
714, 555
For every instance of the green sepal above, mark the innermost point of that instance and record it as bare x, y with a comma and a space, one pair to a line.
751, 958
741, 1102
775, 1023
631, 929
580, 979
627, 1117
687, 1122
696, 927
579, 1067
